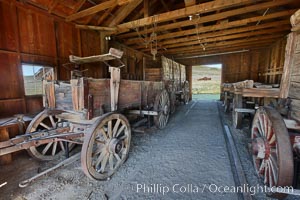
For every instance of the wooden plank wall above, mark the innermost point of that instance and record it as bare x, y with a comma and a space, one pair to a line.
261, 65
271, 62
235, 67
34, 36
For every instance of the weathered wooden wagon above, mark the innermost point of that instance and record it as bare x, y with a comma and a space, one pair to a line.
92, 112
275, 137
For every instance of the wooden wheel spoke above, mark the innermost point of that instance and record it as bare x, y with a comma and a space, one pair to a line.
98, 150
54, 148
117, 157
52, 121
266, 174
120, 130
116, 127
62, 146
111, 161
100, 158
109, 129
274, 169
104, 163
272, 139
45, 126
270, 174
103, 132
47, 147
261, 167
261, 125
123, 137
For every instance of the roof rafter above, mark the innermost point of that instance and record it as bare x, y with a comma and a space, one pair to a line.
97, 8
210, 18
180, 13
124, 12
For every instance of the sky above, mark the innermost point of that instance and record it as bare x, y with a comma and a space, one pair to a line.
219, 66
29, 70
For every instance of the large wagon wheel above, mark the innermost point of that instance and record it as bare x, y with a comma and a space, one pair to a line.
106, 146
186, 92
162, 106
49, 151
271, 149
237, 117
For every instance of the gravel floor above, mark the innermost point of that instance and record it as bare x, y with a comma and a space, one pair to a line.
187, 154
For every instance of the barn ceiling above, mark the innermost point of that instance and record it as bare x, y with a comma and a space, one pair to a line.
180, 28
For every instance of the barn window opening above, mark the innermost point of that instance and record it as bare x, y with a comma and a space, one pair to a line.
33, 76
206, 81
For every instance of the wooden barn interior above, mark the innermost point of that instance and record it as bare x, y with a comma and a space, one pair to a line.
250, 38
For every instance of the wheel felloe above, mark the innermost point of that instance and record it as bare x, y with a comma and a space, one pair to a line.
106, 146
271, 150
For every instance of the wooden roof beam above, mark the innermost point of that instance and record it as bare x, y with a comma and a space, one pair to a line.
226, 32
180, 13
105, 15
97, 8
189, 3
230, 37
209, 18
124, 12
248, 40
221, 50
222, 32
218, 26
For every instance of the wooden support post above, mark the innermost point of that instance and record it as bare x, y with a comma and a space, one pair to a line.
4, 136
189, 78
288, 63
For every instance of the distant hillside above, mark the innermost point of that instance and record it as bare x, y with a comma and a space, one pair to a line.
206, 87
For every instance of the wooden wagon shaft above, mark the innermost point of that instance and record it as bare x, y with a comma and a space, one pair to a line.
33, 135
39, 141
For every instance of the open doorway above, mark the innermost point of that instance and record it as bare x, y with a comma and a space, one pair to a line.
206, 81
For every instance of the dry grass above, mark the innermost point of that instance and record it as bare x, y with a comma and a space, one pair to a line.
206, 87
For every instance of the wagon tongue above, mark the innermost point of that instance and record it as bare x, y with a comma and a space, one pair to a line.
260, 148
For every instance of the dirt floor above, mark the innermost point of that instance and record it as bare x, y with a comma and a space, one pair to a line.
186, 160
187, 154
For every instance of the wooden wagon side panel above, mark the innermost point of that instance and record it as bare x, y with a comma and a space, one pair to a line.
129, 94
149, 91
167, 66
99, 90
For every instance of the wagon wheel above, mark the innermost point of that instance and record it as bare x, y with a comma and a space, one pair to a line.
186, 92
162, 106
237, 117
172, 101
271, 149
49, 151
106, 146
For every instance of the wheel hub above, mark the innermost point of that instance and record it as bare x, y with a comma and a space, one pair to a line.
260, 148
115, 146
